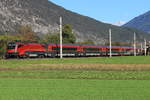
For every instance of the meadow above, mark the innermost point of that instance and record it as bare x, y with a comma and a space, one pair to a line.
98, 78
62, 89
90, 60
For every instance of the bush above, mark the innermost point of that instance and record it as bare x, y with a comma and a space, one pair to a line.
3, 46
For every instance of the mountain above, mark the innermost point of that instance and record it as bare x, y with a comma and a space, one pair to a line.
43, 16
141, 22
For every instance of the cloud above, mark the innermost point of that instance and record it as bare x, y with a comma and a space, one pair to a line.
119, 23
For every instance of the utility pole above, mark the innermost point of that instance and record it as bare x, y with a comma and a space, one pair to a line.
134, 44
110, 45
145, 46
141, 48
60, 26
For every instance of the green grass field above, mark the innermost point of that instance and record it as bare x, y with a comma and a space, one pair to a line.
117, 78
53, 89
96, 60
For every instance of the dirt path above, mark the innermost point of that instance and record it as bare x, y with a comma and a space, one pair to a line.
119, 67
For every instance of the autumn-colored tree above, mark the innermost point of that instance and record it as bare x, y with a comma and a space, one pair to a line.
87, 42
120, 44
26, 33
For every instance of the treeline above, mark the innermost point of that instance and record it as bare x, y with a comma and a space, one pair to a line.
26, 34
67, 33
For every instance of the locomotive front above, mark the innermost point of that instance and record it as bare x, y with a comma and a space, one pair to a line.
12, 50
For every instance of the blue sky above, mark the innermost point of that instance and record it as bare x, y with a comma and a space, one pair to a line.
110, 11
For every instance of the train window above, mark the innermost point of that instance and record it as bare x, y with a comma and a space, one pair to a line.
127, 50
11, 46
69, 49
20, 46
54, 48
113, 50
91, 49
64, 49
45, 46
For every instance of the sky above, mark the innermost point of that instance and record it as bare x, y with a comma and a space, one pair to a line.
108, 11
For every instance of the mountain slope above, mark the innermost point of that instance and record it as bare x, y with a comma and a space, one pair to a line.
43, 16
141, 22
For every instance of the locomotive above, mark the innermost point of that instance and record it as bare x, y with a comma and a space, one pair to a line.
27, 50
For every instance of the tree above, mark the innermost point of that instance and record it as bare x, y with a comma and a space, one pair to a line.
4, 39
68, 36
26, 34
3, 46
51, 38
87, 42
120, 44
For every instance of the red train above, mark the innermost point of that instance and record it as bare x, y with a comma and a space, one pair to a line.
25, 50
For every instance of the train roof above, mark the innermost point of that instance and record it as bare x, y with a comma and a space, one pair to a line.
97, 46
68, 44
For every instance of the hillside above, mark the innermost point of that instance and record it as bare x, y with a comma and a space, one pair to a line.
141, 22
43, 16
